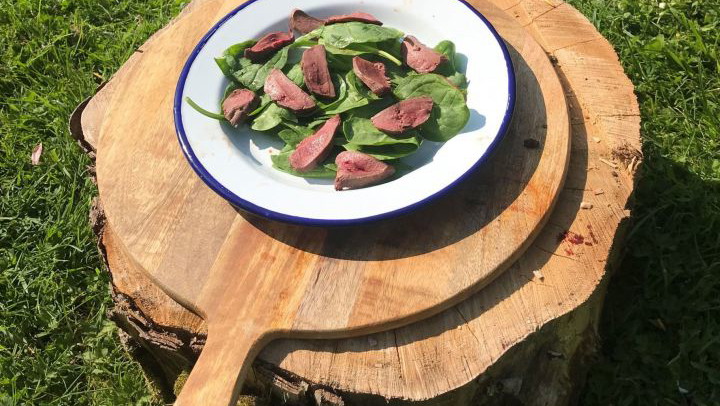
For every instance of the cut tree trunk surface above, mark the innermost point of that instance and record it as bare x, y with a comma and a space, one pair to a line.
525, 336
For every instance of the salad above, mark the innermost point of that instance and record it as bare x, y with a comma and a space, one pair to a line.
349, 97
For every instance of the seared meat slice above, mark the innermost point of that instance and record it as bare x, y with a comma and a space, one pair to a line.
372, 74
303, 22
238, 105
357, 170
287, 94
313, 149
418, 56
268, 44
403, 116
316, 73
358, 16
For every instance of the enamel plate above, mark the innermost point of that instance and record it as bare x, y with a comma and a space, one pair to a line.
235, 162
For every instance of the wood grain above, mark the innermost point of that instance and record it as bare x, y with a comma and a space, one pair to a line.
444, 352
152, 199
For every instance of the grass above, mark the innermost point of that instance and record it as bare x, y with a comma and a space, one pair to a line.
661, 326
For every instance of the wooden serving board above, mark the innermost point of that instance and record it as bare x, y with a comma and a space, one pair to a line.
253, 280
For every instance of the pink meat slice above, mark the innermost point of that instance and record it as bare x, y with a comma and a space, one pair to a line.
403, 116
358, 16
313, 149
357, 170
316, 73
418, 56
303, 22
238, 105
268, 44
372, 74
284, 92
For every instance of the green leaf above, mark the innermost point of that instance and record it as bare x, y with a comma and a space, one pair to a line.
371, 108
281, 162
339, 62
458, 80
351, 95
447, 48
361, 131
362, 136
308, 39
344, 34
253, 75
293, 133
449, 114
358, 88
295, 74
265, 101
271, 117
229, 62
656, 44
386, 152
361, 49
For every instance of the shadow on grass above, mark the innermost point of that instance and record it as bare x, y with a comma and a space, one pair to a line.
660, 324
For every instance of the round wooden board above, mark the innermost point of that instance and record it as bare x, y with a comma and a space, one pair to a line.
447, 351
253, 279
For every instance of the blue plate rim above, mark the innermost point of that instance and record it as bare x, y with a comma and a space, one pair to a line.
304, 221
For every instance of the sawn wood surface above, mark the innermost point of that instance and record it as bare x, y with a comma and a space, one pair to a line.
155, 239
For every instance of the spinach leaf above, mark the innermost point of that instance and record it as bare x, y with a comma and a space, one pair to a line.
351, 95
360, 49
318, 120
371, 108
458, 80
264, 103
449, 114
271, 117
339, 62
281, 162
361, 131
343, 34
293, 133
386, 152
308, 39
253, 75
229, 62
447, 48
296, 75
449, 68
229, 89
356, 87
343, 51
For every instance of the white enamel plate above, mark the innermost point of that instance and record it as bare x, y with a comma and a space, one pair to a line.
236, 162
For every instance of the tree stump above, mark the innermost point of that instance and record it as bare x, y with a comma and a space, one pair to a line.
525, 338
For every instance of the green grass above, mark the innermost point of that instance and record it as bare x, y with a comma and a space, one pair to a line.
56, 344
660, 329
661, 326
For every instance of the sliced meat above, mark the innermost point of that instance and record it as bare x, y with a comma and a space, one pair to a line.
313, 149
238, 105
316, 73
372, 74
284, 92
303, 22
358, 16
403, 116
268, 44
356, 170
420, 57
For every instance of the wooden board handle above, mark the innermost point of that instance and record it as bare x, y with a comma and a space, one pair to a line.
217, 377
